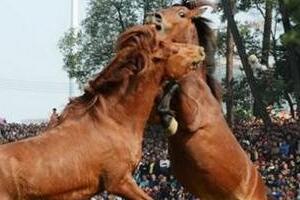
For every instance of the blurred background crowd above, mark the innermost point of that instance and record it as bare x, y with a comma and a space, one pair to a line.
275, 152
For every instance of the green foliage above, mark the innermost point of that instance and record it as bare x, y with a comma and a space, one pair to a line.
68, 46
242, 99
252, 39
293, 37
294, 9
245, 5
272, 86
91, 49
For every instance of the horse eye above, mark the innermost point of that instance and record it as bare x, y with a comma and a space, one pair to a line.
181, 14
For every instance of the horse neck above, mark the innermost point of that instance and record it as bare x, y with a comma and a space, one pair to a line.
135, 99
197, 98
189, 36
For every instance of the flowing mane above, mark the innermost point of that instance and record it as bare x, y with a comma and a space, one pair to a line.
207, 39
132, 57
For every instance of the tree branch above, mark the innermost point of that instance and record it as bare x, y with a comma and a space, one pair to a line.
120, 17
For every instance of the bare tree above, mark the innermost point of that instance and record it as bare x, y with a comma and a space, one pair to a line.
267, 33
229, 76
242, 53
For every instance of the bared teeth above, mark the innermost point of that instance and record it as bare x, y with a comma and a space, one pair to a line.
195, 65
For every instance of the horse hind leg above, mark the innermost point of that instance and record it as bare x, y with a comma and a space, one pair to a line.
128, 189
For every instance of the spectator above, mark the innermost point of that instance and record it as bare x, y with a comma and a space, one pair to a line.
53, 118
284, 148
164, 165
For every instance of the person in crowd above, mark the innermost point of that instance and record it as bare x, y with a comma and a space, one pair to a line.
53, 118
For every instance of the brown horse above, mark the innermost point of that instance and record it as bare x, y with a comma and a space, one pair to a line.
184, 24
206, 157
96, 144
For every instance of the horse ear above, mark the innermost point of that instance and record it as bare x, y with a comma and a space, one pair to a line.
197, 12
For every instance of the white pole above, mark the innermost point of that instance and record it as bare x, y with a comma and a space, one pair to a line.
75, 14
75, 27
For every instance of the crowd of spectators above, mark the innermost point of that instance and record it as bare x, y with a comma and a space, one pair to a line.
13, 131
276, 153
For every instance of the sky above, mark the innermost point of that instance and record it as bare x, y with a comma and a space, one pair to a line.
32, 80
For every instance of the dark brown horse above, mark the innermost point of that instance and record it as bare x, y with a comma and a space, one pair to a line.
206, 157
96, 144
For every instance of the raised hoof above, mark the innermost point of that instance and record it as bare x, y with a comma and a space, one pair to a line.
170, 124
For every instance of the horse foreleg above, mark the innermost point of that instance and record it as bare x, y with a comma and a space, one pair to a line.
167, 115
128, 189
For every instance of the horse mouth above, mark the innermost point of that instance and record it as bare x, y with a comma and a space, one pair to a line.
158, 27
150, 20
196, 65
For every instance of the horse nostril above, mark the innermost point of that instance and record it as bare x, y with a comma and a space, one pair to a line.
158, 27
158, 17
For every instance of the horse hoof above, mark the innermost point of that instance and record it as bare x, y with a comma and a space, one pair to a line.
173, 126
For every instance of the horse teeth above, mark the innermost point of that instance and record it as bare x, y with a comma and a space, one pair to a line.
194, 67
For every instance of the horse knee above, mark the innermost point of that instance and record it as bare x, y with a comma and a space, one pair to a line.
127, 188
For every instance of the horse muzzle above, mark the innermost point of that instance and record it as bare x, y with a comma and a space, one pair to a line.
156, 20
197, 63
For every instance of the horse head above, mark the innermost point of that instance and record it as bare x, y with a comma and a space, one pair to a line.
176, 59
177, 23
184, 23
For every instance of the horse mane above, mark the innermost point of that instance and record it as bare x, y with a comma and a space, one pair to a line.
132, 58
207, 39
